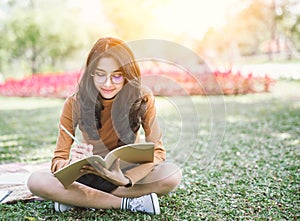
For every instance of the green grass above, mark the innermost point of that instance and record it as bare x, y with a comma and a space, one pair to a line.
254, 174
28, 129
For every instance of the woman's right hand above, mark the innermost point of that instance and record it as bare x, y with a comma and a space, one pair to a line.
81, 151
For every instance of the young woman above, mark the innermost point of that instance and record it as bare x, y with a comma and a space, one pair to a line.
109, 107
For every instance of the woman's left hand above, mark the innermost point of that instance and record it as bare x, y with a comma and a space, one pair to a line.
114, 174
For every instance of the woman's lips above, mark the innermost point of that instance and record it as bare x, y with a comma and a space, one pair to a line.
107, 90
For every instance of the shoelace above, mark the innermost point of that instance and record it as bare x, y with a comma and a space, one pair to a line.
136, 205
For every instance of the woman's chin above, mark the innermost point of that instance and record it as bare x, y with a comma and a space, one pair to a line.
107, 94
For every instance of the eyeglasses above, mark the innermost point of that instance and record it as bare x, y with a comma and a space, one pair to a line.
115, 77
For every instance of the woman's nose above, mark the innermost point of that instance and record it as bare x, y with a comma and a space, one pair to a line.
108, 82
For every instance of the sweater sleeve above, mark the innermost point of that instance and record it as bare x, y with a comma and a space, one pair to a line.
152, 134
64, 141
152, 130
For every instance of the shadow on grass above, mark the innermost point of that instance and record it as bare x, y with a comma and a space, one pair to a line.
28, 135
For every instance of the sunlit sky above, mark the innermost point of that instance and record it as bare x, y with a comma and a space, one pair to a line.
193, 17
190, 17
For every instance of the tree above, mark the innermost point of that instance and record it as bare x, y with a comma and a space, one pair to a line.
26, 41
264, 26
35, 40
270, 22
286, 22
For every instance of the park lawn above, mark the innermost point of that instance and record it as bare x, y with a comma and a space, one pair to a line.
244, 164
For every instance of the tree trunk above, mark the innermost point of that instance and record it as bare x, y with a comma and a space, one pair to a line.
34, 65
273, 31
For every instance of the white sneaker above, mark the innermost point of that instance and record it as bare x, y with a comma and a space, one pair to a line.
60, 207
147, 203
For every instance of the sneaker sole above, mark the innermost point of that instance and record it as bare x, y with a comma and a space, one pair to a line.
60, 207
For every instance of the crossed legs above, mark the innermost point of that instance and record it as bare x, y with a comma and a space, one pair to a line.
161, 180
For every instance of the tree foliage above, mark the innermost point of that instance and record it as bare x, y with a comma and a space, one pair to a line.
288, 19
260, 26
35, 41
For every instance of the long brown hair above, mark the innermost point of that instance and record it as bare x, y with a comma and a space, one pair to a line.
126, 119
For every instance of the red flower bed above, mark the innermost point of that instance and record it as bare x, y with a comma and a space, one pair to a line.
162, 82
215, 83
42, 85
236, 83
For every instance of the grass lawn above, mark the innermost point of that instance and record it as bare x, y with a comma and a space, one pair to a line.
240, 156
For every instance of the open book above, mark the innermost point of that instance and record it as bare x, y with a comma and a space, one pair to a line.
129, 155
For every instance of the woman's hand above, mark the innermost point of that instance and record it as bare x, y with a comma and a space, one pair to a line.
81, 151
114, 174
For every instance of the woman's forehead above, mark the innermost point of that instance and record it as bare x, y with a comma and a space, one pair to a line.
108, 64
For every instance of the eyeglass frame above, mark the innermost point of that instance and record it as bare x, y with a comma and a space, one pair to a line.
108, 75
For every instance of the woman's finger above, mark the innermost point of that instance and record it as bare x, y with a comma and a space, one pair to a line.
116, 164
90, 169
76, 151
90, 149
84, 149
97, 166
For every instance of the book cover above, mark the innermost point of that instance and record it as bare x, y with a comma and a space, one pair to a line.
129, 154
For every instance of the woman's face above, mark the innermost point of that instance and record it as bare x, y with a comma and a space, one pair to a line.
108, 77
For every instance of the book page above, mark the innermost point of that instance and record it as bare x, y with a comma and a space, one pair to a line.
132, 153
